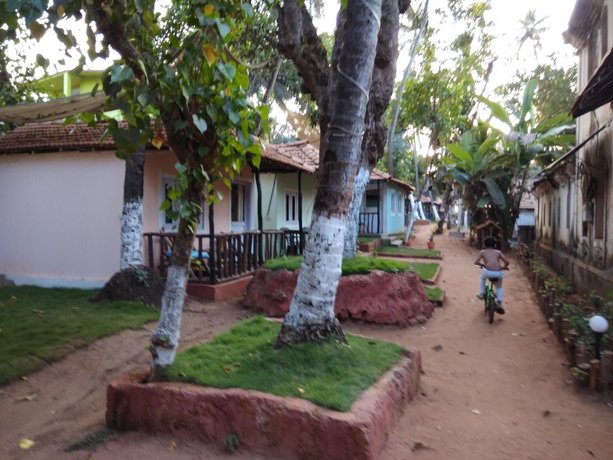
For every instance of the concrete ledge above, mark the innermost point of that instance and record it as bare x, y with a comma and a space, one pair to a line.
286, 427
228, 290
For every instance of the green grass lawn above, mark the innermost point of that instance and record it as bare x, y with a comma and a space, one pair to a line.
367, 239
410, 252
362, 265
331, 375
434, 294
39, 325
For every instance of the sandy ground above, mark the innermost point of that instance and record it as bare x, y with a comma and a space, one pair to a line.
499, 391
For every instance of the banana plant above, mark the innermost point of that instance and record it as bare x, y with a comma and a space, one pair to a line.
525, 143
480, 170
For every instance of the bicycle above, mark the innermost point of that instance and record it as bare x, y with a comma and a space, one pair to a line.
490, 301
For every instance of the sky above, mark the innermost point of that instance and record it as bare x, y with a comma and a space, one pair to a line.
506, 16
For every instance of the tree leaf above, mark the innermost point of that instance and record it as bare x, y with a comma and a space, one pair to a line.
224, 28
248, 9
37, 30
528, 100
487, 144
484, 201
497, 110
495, 192
25, 443
209, 54
200, 123
461, 154
228, 70
120, 73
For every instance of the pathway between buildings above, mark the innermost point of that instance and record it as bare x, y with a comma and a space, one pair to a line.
499, 391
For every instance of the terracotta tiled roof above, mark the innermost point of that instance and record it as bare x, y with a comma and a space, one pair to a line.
291, 156
381, 175
54, 137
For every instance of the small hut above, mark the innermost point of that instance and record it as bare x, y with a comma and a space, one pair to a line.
488, 228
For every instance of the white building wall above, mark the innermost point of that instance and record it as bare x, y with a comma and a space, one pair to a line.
60, 222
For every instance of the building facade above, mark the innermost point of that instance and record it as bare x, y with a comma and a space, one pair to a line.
574, 195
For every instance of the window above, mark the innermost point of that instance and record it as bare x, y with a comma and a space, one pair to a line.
372, 201
238, 202
291, 207
167, 222
393, 204
400, 204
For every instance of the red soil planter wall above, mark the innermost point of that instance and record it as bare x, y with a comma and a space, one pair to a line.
286, 427
379, 297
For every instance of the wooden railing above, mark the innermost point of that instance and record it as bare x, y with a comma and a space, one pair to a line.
233, 255
368, 223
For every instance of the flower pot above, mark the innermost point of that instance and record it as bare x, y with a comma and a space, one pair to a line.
430, 244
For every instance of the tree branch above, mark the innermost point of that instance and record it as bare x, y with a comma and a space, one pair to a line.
299, 42
116, 35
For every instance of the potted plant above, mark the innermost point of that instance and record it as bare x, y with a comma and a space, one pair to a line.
430, 243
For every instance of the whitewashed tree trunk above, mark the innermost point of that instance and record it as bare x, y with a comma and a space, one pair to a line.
166, 337
311, 315
311, 312
351, 236
420, 211
132, 214
409, 229
437, 217
459, 215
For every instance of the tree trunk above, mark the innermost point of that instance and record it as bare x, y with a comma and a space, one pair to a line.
405, 76
132, 214
353, 221
166, 337
311, 314
381, 89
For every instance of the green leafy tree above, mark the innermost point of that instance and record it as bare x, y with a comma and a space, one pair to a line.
554, 94
177, 82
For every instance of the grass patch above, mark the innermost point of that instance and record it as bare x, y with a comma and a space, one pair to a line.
362, 265
367, 239
410, 252
39, 325
434, 294
331, 375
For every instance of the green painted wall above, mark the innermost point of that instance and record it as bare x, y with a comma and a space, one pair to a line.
274, 188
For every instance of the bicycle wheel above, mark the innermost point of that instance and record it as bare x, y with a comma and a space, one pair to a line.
491, 306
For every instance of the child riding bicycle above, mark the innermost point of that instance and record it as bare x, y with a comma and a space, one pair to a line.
494, 262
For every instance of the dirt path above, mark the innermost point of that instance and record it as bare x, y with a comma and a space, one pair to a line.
496, 391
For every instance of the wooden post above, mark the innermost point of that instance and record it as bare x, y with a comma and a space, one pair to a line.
557, 323
212, 248
565, 327
580, 351
606, 370
571, 345
585, 367
594, 365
